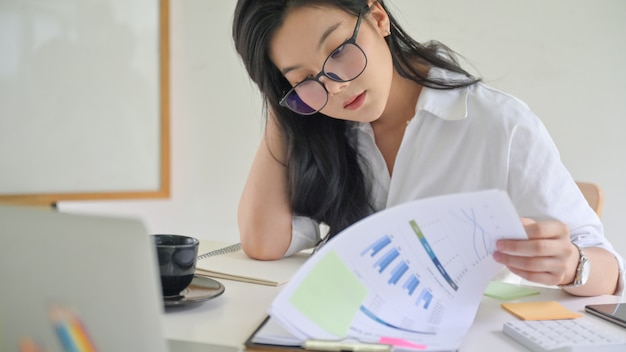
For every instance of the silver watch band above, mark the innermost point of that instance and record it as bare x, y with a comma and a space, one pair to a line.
581, 275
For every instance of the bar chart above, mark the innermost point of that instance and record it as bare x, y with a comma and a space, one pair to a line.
451, 246
396, 270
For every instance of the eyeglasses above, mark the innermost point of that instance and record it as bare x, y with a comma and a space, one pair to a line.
344, 64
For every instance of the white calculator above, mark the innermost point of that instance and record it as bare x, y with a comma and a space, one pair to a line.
572, 335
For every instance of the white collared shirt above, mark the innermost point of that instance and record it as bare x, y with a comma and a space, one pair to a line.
471, 139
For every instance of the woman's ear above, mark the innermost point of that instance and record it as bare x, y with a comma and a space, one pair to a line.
380, 18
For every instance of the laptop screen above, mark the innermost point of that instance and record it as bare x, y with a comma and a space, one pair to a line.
92, 280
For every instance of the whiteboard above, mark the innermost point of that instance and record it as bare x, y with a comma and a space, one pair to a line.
83, 99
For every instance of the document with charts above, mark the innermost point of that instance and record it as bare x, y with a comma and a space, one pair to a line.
411, 276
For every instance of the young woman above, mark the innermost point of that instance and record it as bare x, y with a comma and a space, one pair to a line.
362, 117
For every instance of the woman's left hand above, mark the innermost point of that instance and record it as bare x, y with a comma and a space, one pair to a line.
547, 256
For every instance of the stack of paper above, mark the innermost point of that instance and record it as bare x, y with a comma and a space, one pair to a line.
412, 275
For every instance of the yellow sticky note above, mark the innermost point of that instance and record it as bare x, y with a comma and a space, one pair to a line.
551, 310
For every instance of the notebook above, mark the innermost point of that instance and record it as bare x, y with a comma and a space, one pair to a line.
228, 261
92, 280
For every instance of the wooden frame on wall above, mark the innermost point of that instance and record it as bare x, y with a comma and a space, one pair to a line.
19, 145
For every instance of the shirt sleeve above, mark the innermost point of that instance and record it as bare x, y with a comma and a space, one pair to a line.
542, 188
304, 234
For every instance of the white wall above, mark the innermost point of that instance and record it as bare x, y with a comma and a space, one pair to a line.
565, 58
215, 128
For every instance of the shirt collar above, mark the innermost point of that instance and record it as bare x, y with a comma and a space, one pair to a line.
447, 104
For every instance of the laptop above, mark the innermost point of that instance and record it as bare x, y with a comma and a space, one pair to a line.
91, 279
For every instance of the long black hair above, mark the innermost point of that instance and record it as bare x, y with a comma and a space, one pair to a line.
325, 175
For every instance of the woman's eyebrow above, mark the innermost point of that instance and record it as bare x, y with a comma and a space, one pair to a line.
326, 33
323, 38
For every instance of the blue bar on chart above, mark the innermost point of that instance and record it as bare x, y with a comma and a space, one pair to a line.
411, 284
377, 246
397, 272
387, 259
426, 297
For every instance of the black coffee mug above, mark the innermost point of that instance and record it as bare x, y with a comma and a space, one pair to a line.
177, 256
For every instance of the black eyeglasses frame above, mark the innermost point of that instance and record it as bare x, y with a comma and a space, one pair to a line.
316, 78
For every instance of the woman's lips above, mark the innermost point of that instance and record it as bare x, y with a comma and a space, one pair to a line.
355, 102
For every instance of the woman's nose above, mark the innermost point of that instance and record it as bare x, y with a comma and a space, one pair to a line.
333, 87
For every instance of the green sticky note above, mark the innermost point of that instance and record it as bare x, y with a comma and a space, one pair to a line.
330, 295
505, 290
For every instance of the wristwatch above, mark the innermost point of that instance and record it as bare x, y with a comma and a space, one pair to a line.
582, 271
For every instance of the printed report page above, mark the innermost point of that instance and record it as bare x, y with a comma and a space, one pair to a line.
414, 273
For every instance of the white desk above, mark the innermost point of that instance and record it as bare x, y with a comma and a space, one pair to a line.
486, 331
225, 320
232, 317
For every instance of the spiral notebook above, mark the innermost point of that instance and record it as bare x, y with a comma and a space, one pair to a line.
229, 262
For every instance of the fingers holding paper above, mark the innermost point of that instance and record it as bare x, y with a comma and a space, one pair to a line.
547, 256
